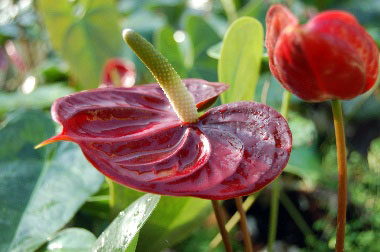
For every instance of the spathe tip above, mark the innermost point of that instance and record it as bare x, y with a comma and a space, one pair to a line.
53, 140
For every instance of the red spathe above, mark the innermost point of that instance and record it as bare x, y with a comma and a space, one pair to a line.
133, 136
330, 57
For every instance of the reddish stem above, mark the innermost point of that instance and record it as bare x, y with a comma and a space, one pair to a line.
221, 223
244, 226
342, 174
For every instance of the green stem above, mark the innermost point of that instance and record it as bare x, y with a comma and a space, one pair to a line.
111, 189
221, 220
273, 217
296, 216
230, 9
342, 173
286, 96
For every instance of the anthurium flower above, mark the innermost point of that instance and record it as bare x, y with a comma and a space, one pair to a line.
118, 73
330, 57
139, 138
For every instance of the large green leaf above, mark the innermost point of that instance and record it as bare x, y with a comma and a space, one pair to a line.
240, 60
71, 240
202, 36
174, 219
165, 43
85, 32
40, 98
40, 190
121, 234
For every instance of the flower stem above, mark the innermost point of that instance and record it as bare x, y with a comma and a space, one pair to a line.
342, 174
273, 217
285, 103
297, 217
244, 226
220, 219
230, 9
231, 223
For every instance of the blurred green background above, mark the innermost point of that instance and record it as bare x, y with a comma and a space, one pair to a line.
49, 49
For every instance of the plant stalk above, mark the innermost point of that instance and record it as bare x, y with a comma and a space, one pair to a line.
230, 9
244, 227
297, 217
231, 223
220, 219
274, 204
273, 216
342, 174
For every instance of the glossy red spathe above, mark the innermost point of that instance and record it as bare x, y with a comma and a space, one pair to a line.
133, 136
330, 57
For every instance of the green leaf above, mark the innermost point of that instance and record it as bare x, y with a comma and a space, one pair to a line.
133, 244
85, 33
123, 230
40, 190
174, 219
240, 60
165, 43
40, 98
71, 240
305, 162
215, 50
202, 36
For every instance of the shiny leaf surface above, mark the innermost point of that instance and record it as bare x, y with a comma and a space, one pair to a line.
123, 230
71, 240
173, 220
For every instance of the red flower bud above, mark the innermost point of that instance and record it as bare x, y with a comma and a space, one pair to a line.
330, 57
119, 71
